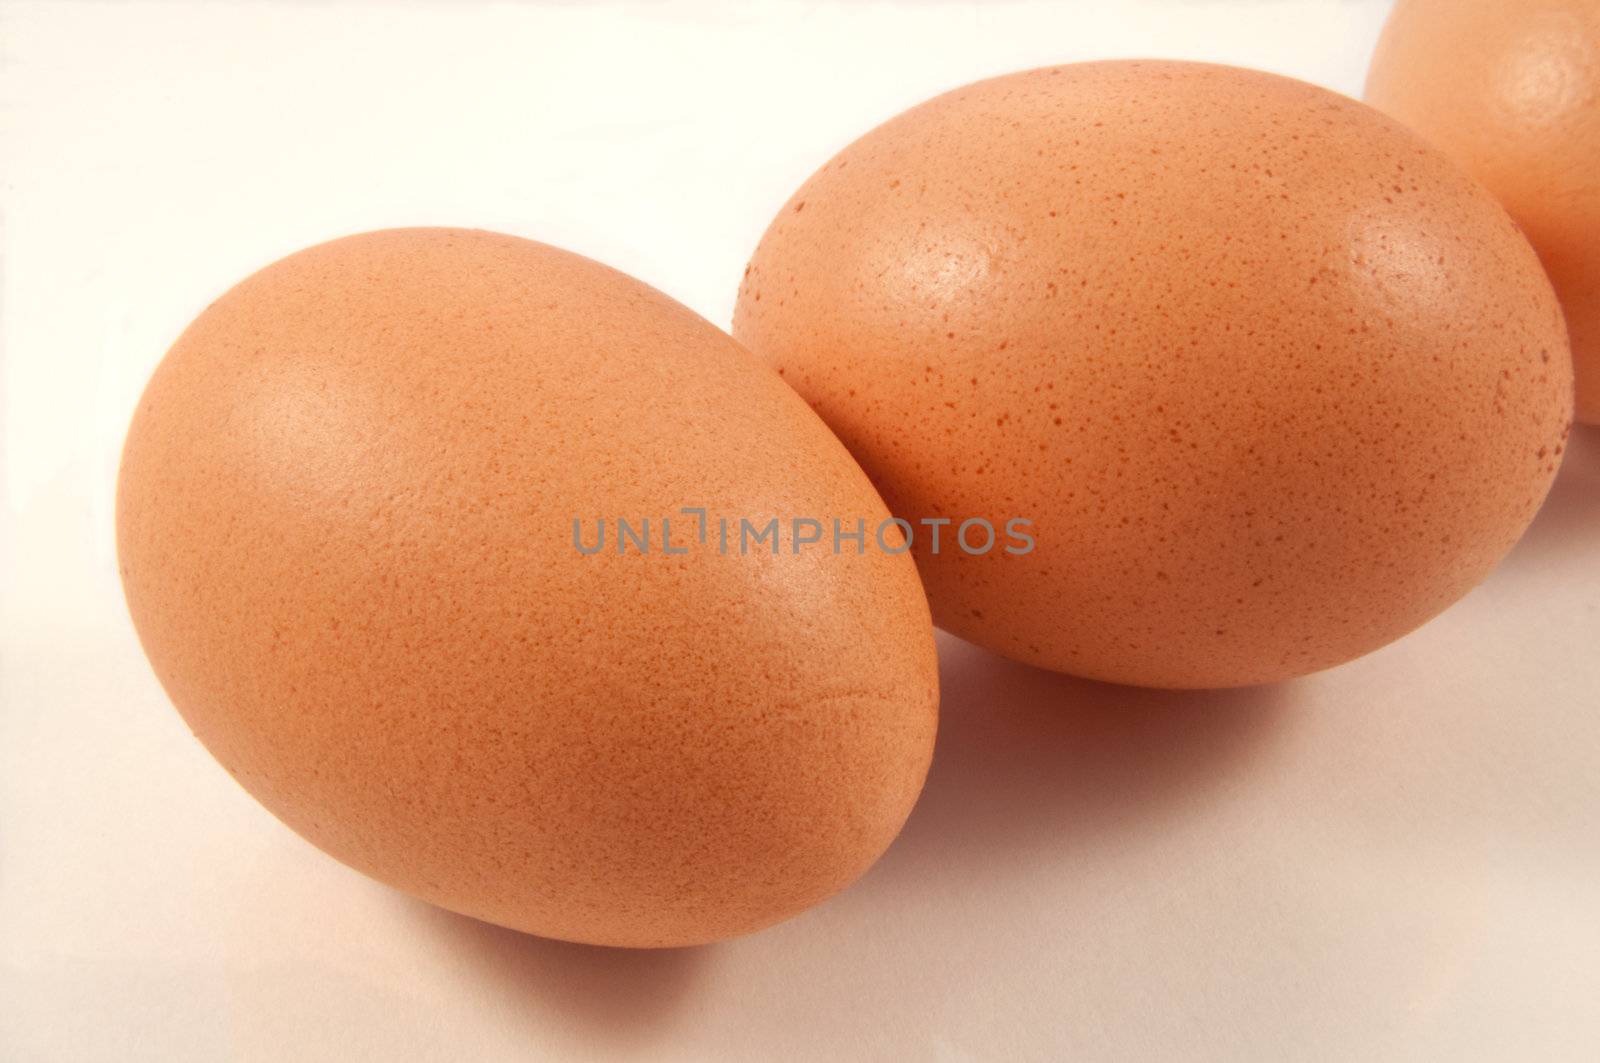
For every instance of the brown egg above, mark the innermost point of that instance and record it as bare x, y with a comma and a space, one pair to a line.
1512, 91
1273, 381
346, 531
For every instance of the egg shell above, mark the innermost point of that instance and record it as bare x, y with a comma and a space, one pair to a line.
1274, 381
1512, 91
345, 527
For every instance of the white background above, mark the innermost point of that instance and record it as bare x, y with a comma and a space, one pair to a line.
1398, 859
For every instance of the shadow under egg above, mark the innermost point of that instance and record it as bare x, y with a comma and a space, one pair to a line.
1030, 759
611, 998
1568, 524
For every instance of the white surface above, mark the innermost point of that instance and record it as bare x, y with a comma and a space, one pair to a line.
1398, 859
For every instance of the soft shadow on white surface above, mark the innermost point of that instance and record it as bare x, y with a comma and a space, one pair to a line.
617, 999
1030, 759
1568, 526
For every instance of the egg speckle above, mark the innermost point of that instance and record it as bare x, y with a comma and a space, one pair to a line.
1512, 91
346, 531
1274, 381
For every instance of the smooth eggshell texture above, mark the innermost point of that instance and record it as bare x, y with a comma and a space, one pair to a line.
1512, 91
345, 531
1275, 381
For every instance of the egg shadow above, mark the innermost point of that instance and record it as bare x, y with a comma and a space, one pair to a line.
1568, 523
610, 999
1029, 760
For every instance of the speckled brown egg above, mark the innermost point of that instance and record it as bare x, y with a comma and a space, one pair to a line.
1512, 91
346, 531
1273, 381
